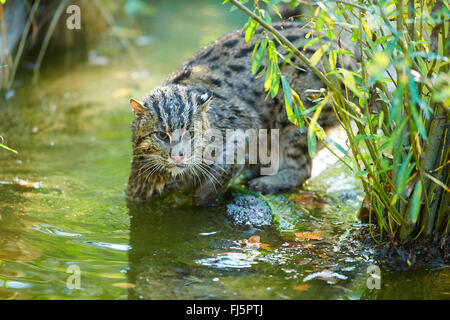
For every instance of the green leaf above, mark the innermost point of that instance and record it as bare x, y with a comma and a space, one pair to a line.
418, 121
319, 53
275, 8
361, 173
337, 145
7, 148
360, 137
259, 56
414, 94
404, 173
332, 58
250, 30
415, 202
355, 35
275, 84
288, 98
312, 144
311, 42
266, 16
349, 82
437, 181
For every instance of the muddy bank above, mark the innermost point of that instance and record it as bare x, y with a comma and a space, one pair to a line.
410, 254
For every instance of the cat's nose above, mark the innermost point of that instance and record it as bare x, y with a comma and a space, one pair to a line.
177, 159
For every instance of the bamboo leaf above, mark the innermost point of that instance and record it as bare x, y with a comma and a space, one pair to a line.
360, 137
438, 182
8, 148
250, 30
259, 56
312, 144
288, 98
404, 173
318, 54
275, 84
337, 145
415, 203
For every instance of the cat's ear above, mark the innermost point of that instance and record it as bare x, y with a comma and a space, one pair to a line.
139, 109
205, 100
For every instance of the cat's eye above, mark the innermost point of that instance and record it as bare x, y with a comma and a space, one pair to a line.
162, 135
191, 134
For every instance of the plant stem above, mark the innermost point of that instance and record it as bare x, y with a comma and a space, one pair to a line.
47, 38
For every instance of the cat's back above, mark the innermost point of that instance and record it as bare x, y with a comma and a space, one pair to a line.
224, 66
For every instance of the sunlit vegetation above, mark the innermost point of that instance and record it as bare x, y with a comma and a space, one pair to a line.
398, 101
6, 147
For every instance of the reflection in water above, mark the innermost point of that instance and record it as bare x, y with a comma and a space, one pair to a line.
72, 131
165, 242
196, 253
418, 284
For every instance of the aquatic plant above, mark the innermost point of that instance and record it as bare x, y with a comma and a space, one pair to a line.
394, 109
6, 147
45, 23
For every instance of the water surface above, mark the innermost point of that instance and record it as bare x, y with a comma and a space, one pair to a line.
62, 200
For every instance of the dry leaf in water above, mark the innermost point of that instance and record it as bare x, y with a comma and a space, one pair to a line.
123, 285
309, 235
254, 239
254, 242
302, 287
307, 200
27, 184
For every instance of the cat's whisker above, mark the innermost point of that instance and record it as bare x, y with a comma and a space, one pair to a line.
202, 172
156, 169
209, 175
147, 167
195, 175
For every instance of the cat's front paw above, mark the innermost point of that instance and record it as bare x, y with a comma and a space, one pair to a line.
264, 185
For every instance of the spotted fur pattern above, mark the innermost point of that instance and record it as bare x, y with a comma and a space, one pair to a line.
217, 88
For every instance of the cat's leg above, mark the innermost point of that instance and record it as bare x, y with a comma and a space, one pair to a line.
295, 164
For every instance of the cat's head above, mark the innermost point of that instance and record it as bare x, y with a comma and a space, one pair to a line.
165, 127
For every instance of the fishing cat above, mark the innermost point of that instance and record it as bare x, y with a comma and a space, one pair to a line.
217, 90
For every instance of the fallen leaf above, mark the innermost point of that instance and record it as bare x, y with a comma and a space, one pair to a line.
27, 184
307, 200
123, 285
302, 287
309, 235
308, 246
254, 242
326, 275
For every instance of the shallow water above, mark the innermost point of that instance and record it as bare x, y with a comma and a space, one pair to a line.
62, 199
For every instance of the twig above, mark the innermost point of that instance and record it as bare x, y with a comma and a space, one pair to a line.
47, 38
5, 45
109, 18
338, 1
22, 43
285, 41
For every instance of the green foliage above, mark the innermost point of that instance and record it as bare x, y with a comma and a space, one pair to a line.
398, 99
6, 147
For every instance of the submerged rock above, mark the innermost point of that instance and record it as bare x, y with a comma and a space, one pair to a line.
249, 210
